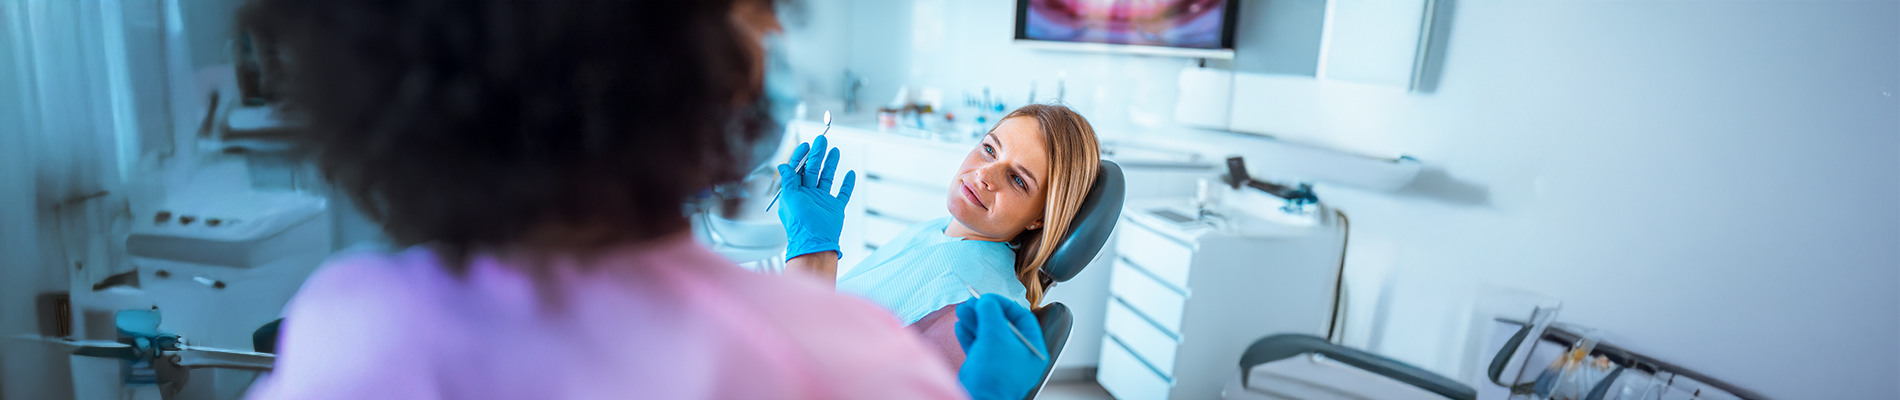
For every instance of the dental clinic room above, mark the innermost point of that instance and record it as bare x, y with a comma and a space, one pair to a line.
950, 199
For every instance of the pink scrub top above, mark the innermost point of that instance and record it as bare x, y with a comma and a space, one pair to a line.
664, 320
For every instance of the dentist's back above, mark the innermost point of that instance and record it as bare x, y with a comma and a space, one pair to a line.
533, 158
669, 320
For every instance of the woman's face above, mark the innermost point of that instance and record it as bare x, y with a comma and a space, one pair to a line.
999, 190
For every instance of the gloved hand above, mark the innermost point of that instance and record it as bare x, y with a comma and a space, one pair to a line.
813, 218
996, 364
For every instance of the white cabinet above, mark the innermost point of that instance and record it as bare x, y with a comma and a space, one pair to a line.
1186, 300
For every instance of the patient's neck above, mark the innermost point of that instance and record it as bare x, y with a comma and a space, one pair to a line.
957, 230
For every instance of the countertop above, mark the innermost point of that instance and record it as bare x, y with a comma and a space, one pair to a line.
1128, 153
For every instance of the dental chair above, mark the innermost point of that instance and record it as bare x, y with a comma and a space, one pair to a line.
1095, 220
1306, 367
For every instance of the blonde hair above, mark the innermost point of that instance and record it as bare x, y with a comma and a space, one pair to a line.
1074, 160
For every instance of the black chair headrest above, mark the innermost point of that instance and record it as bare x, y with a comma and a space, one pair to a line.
1094, 221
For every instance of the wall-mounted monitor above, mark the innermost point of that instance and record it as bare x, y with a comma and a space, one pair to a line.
1184, 28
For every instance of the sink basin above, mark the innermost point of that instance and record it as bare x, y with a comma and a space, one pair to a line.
243, 230
746, 231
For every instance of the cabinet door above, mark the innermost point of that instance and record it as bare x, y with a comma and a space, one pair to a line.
879, 230
900, 159
1159, 254
851, 148
1376, 41
1147, 297
903, 202
1141, 337
1127, 377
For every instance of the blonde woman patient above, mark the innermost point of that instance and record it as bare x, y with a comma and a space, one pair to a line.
1011, 202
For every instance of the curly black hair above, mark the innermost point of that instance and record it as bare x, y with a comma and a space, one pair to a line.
477, 124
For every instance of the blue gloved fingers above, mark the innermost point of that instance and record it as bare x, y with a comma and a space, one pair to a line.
990, 309
996, 364
813, 223
1016, 313
786, 177
798, 154
831, 169
1023, 319
844, 189
787, 172
996, 308
966, 323
814, 162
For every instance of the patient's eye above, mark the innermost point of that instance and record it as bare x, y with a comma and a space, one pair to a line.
1018, 179
989, 150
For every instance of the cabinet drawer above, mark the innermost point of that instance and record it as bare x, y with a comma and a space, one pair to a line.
1145, 295
1159, 254
1126, 377
1143, 338
879, 230
903, 202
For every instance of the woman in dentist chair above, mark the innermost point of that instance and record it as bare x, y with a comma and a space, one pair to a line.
1013, 199
533, 157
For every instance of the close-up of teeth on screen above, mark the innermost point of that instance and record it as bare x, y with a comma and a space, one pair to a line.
1174, 23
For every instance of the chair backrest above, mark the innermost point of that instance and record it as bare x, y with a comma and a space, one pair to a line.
1095, 220
1056, 321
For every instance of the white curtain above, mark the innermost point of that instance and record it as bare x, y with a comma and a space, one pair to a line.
84, 95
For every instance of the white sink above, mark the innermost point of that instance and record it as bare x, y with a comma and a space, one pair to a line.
751, 232
242, 230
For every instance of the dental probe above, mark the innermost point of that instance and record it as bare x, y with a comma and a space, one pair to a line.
1012, 327
801, 165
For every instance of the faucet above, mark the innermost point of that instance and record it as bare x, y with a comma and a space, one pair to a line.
852, 82
1297, 195
1062, 88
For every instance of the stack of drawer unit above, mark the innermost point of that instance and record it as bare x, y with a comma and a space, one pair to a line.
1186, 299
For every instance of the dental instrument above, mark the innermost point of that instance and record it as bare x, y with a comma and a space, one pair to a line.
1012, 328
800, 166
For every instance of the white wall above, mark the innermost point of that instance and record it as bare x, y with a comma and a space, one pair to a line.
1711, 182
209, 26
19, 251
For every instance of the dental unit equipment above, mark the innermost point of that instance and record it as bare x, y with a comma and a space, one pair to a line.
800, 166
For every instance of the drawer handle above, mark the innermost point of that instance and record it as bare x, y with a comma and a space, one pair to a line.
869, 212
1151, 275
1165, 377
1145, 318
873, 176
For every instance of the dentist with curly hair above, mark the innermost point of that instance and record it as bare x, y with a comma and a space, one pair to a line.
529, 160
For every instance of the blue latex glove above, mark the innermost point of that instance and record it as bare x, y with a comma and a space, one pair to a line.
996, 364
813, 218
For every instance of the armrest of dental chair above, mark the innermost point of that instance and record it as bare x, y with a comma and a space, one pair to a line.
1056, 324
1367, 373
1095, 220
